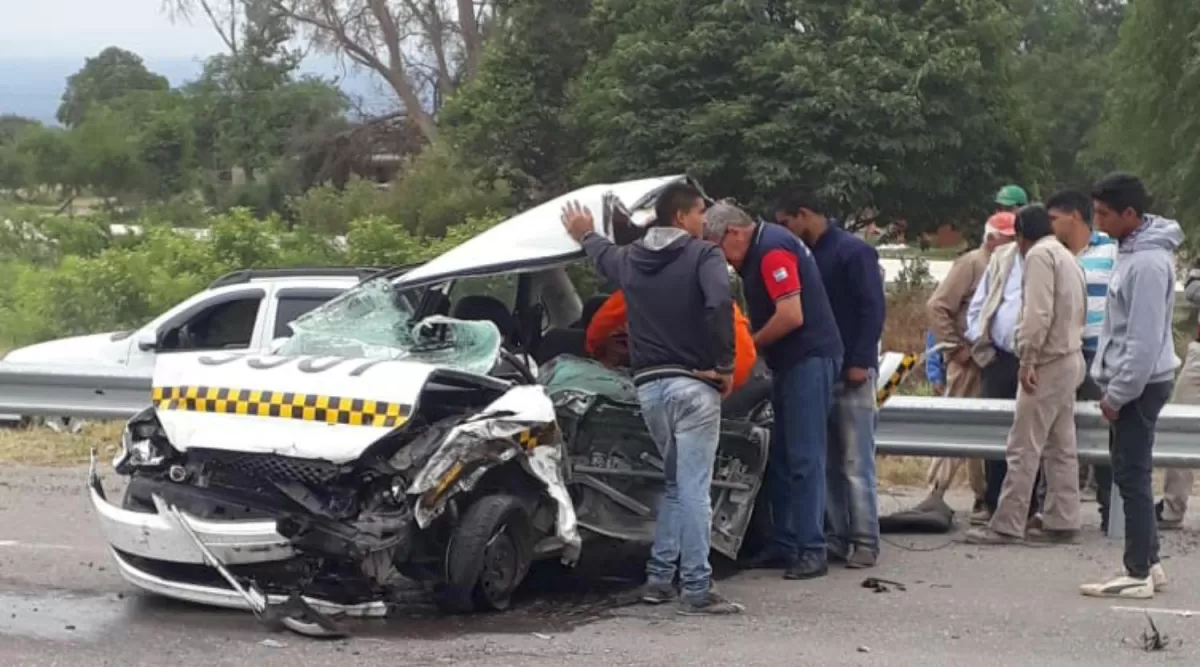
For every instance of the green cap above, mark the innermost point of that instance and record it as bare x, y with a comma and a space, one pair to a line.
1012, 195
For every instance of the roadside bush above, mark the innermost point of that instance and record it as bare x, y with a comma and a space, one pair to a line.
69, 277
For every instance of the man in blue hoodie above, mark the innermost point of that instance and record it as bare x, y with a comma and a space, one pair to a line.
1135, 368
680, 324
849, 269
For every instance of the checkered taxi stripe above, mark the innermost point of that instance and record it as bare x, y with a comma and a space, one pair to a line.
906, 366
284, 405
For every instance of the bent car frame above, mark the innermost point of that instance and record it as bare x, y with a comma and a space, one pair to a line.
431, 432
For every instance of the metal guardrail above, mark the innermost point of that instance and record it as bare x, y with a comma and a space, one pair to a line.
908, 425
978, 428
84, 392
914, 426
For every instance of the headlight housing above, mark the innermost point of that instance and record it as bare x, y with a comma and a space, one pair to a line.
143, 444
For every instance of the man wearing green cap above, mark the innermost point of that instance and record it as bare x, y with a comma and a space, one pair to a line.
1011, 198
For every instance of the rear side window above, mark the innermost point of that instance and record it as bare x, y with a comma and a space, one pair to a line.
291, 307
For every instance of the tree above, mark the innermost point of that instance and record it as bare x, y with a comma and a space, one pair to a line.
422, 49
510, 119
900, 108
106, 155
13, 126
1061, 72
1152, 110
248, 106
104, 78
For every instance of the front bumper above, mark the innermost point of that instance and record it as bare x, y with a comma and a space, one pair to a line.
158, 537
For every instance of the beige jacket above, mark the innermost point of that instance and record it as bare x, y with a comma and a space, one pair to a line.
947, 307
1054, 305
998, 269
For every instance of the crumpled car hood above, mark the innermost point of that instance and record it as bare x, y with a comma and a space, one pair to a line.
328, 408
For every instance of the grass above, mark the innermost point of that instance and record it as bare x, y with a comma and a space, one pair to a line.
43, 447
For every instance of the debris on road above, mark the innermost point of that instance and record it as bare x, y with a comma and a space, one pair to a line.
882, 585
272, 643
1154, 640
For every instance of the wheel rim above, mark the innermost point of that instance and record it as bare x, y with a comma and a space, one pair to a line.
500, 568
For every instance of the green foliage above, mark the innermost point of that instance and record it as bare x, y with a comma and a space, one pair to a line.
325, 209
1152, 110
438, 190
510, 118
1061, 73
62, 276
903, 107
104, 78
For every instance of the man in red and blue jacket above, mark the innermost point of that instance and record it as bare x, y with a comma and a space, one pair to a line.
849, 267
797, 335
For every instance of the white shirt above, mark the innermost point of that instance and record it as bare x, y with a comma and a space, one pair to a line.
1004, 323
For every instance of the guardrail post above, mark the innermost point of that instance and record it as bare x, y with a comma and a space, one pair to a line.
1116, 514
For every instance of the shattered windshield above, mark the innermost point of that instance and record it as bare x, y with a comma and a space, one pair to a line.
373, 321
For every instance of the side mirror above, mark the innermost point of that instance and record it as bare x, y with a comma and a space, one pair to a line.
147, 341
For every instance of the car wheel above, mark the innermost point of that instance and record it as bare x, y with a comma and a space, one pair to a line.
488, 556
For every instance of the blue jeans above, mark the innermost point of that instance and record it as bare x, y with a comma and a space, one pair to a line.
803, 399
852, 511
684, 418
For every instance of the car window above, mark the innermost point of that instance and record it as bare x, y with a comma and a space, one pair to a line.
225, 326
291, 307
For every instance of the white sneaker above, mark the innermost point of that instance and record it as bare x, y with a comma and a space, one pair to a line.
1159, 576
1122, 586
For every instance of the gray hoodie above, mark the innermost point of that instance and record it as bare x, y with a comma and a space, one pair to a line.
1136, 344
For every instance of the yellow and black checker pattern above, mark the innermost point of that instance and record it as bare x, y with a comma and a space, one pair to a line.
906, 366
537, 435
283, 405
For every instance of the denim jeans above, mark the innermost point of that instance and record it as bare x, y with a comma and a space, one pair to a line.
852, 511
803, 402
683, 416
1131, 445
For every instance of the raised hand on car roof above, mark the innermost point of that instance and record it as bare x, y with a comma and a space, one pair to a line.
578, 220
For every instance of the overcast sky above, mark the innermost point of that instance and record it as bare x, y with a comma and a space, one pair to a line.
81, 28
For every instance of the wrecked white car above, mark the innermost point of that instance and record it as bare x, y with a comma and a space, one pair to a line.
435, 431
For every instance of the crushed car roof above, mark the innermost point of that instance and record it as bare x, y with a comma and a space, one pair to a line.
535, 238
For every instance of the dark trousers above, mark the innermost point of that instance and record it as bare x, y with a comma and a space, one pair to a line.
1131, 445
1000, 380
803, 402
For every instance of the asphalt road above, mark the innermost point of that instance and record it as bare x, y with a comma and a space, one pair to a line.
61, 603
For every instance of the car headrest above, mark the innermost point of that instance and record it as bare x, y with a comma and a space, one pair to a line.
478, 307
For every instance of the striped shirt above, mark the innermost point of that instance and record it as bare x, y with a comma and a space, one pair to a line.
1097, 261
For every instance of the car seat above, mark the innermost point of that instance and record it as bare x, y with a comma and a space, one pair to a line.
556, 342
590, 307
478, 307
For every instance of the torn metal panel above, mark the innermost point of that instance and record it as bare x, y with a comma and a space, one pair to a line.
513, 426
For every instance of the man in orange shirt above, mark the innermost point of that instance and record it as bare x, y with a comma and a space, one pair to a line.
606, 342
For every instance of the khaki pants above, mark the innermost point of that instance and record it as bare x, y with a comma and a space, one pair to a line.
962, 381
1045, 417
1178, 484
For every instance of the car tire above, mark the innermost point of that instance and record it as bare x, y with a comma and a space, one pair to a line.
488, 556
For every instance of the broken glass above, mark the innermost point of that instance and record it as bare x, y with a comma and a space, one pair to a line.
373, 322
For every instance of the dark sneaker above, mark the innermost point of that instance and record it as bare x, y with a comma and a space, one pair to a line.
862, 558
765, 560
658, 593
712, 605
808, 567
1045, 536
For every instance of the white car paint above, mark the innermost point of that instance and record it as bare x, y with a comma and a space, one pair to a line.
536, 236
374, 380
135, 349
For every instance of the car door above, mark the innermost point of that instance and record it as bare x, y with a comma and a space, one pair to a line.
617, 471
229, 320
